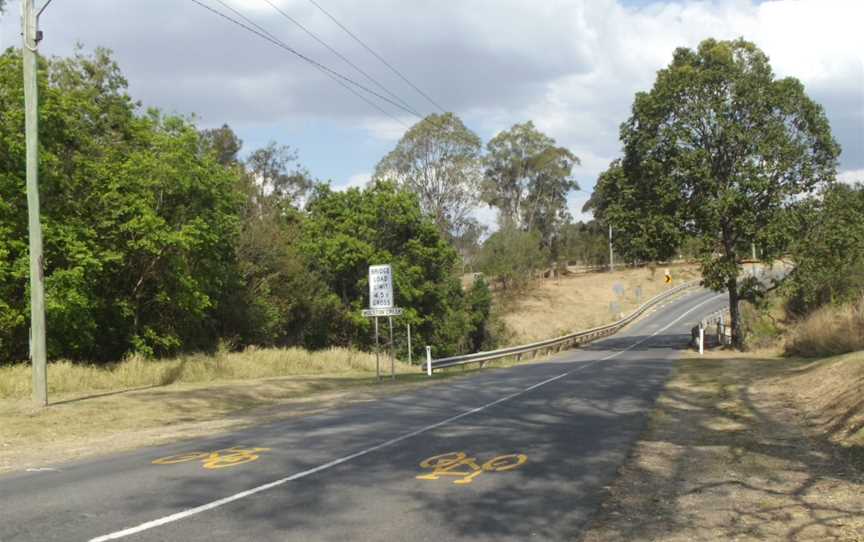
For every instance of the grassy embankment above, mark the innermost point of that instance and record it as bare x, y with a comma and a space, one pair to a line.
551, 308
765, 445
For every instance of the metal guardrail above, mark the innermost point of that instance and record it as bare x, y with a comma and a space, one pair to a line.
572, 339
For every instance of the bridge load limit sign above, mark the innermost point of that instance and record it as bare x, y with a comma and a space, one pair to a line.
380, 287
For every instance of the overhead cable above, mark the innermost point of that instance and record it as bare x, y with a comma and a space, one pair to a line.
345, 59
379, 57
345, 80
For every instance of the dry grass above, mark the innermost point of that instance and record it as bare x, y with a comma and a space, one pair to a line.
829, 331
65, 378
139, 402
727, 457
830, 396
551, 308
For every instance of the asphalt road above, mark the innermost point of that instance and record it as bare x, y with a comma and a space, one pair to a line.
531, 448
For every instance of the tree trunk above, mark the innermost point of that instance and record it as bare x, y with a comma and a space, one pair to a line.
735, 314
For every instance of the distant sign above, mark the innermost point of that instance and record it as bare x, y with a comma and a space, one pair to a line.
380, 287
667, 277
390, 311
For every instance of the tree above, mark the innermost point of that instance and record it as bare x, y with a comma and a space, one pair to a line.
138, 225
718, 150
223, 143
584, 243
828, 250
511, 255
439, 159
274, 297
345, 232
527, 178
271, 168
468, 243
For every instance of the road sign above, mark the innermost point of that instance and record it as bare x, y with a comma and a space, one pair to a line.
668, 277
380, 287
389, 311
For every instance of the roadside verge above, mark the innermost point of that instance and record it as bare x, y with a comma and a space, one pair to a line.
732, 453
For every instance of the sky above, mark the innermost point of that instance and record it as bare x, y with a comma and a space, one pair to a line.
571, 66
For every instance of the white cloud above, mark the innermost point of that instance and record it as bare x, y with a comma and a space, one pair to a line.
358, 180
387, 129
816, 41
851, 176
572, 66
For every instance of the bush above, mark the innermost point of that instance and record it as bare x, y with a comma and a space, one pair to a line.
511, 256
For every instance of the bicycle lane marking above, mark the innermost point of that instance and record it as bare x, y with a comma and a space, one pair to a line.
217, 459
449, 463
276, 483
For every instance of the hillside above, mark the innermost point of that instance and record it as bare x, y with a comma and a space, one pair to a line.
574, 302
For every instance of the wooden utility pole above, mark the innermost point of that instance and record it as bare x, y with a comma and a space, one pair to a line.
38, 355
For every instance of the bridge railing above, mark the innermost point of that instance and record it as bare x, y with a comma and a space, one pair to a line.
556, 344
723, 329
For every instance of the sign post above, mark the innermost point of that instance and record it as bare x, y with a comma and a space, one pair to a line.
410, 361
377, 351
381, 304
392, 351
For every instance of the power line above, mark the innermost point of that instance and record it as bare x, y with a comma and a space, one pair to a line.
376, 55
283, 44
341, 56
264, 35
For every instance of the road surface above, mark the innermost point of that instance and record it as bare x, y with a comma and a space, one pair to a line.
505, 455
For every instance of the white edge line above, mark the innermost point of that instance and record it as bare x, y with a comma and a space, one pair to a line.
243, 494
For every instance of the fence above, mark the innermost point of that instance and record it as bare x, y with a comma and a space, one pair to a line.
556, 344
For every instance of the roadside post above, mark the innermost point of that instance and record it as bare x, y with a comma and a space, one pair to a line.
701, 338
428, 360
410, 354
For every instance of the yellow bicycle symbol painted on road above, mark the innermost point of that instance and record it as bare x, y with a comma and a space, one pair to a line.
467, 468
218, 459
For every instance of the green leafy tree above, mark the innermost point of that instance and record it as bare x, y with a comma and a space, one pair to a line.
511, 256
276, 299
527, 178
479, 304
828, 251
584, 243
223, 143
345, 232
439, 160
138, 225
718, 149
275, 168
